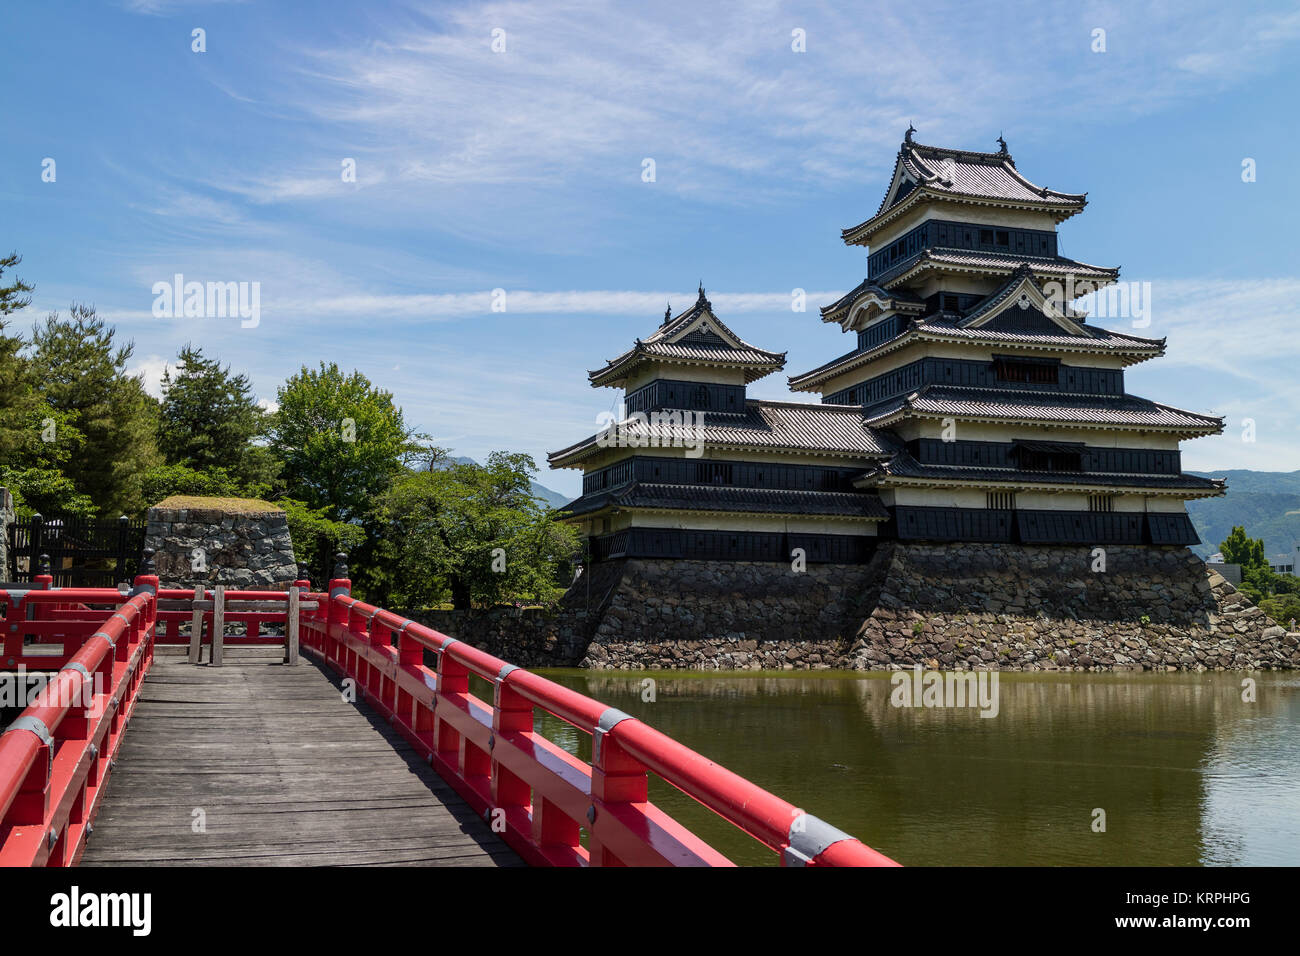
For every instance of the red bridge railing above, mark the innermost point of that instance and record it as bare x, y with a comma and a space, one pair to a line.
56, 757
536, 795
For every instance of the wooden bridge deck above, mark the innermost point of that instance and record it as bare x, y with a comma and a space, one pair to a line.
284, 772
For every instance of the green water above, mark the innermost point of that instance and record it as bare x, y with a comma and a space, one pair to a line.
1186, 772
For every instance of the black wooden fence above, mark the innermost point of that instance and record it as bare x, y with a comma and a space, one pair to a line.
83, 552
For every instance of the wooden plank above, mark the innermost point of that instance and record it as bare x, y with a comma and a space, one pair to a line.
284, 771
233, 604
218, 624
291, 629
196, 627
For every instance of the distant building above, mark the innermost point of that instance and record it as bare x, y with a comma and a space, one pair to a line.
1231, 572
977, 405
1282, 563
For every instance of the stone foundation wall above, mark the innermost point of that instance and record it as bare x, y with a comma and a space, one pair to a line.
241, 549
1004, 607
1017, 607
730, 615
669, 615
535, 637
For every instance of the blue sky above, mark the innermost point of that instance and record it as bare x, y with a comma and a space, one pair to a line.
522, 170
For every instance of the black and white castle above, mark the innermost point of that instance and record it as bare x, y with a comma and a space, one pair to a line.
976, 406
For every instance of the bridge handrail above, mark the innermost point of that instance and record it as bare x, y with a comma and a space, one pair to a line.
47, 805
800, 838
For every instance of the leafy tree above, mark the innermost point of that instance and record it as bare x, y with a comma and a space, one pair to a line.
36, 440
316, 539
18, 399
82, 373
475, 531
209, 422
342, 440
163, 481
1283, 608
33, 467
1239, 549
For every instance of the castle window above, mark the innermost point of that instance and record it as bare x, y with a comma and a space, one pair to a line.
986, 236
1000, 500
1003, 238
1104, 503
1048, 456
713, 472
1028, 373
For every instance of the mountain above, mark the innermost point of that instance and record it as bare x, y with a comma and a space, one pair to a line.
551, 497
1265, 503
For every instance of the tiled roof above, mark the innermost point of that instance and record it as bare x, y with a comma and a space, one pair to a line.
675, 497
1098, 338
1003, 262
988, 403
830, 313
987, 175
1095, 340
710, 349
904, 465
962, 174
796, 426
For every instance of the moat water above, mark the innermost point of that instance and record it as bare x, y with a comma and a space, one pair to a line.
1185, 770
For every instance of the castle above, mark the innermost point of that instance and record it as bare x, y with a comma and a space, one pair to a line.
976, 406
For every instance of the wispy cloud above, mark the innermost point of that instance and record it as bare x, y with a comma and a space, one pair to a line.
719, 98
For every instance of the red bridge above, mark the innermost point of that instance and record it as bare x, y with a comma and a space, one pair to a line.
363, 753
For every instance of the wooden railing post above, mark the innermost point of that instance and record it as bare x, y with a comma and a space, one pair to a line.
291, 627
196, 626
218, 623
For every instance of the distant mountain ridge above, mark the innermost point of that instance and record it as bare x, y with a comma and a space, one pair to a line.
548, 495
1265, 503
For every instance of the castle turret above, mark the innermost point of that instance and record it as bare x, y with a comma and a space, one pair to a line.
1010, 409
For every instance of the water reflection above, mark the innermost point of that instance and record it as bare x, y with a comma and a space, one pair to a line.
1185, 771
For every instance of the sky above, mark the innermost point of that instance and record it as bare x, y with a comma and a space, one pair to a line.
377, 171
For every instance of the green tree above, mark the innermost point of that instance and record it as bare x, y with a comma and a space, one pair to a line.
82, 373
1239, 549
1283, 608
18, 399
476, 532
163, 481
209, 422
36, 440
316, 538
341, 439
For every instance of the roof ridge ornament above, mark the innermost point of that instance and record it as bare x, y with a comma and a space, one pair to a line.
907, 137
668, 315
703, 299
1002, 144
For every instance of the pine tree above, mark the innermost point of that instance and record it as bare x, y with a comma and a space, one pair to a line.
17, 397
82, 373
210, 420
